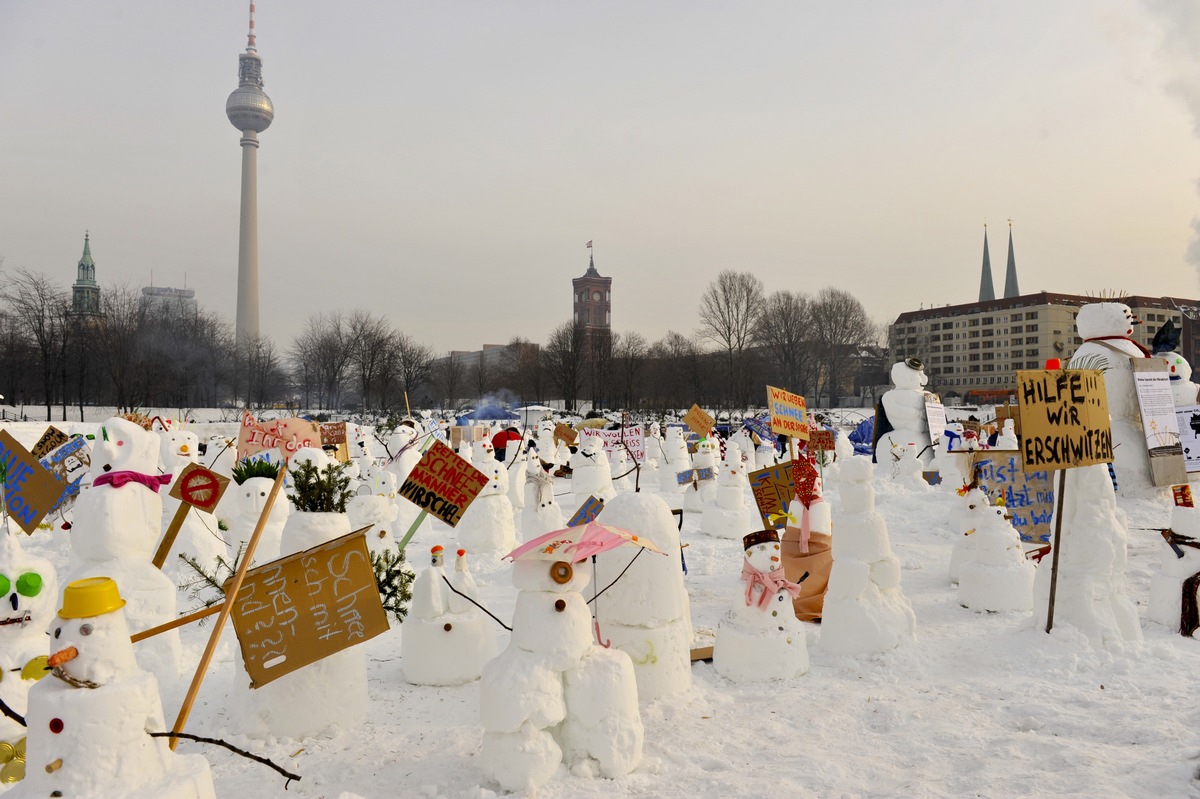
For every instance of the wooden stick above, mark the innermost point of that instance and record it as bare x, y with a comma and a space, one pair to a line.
160, 557
412, 530
226, 608
1058, 514
171, 625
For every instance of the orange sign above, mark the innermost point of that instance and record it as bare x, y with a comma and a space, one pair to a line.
789, 413
698, 421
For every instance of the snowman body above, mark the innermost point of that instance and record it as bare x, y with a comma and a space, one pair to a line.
905, 408
590, 472
243, 505
699, 493
1172, 586
621, 471
487, 525
516, 460
375, 506
993, 572
445, 640
728, 515
542, 513
26, 612
675, 460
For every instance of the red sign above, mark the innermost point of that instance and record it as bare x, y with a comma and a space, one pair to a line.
804, 477
199, 487
821, 440
1182, 495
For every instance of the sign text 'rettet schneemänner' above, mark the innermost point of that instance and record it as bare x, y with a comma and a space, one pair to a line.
443, 484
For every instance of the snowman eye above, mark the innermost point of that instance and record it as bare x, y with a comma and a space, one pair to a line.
85, 629
4, 584
57, 632
29, 584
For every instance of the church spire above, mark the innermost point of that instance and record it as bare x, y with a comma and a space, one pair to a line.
85, 291
986, 292
1010, 274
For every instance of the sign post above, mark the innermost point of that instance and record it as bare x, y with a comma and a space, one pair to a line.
196, 487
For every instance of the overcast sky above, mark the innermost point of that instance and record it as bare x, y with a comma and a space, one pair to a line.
444, 163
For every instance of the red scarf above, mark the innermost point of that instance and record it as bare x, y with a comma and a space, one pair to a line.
1145, 352
772, 582
118, 479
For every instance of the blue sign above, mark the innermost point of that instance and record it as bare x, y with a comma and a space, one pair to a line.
587, 512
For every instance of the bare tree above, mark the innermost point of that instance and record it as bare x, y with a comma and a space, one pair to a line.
840, 324
40, 307
321, 358
729, 311
523, 371
416, 364
784, 337
448, 377
564, 359
117, 336
369, 339
629, 357
598, 354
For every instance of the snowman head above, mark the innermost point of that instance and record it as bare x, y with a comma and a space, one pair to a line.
178, 448
400, 438
125, 446
1009, 428
314, 455
762, 550
1105, 319
1177, 366
675, 435
89, 641
251, 498
909, 374
28, 590
733, 455
481, 451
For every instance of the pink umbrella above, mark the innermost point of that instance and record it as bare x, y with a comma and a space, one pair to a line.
578, 543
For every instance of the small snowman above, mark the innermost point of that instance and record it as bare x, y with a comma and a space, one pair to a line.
702, 491
993, 573
1008, 436
729, 515
406, 453
446, 639
516, 461
375, 505
621, 471
903, 420
590, 472
542, 513
675, 460
88, 722
907, 471
1165, 346
243, 506
487, 525
761, 638
1173, 588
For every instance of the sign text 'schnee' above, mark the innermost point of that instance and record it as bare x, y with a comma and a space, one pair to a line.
789, 414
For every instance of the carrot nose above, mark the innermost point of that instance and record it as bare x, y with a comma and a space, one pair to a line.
183, 449
774, 559
62, 656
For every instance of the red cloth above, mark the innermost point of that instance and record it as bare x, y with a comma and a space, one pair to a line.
118, 479
501, 439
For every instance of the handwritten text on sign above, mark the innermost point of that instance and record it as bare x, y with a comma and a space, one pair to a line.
69, 465
1064, 416
29, 490
286, 435
632, 436
1029, 496
699, 421
307, 606
443, 484
789, 414
773, 491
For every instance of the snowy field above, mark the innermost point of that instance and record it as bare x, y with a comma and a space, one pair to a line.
978, 705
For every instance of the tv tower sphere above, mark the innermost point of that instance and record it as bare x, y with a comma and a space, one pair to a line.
249, 107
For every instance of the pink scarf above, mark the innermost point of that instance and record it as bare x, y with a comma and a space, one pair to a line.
772, 583
118, 479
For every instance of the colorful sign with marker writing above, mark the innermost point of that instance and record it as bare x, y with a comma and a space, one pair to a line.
587, 512
199, 487
69, 464
52, 439
565, 434
773, 490
699, 421
333, 436
1064, 416
1028, 495
821, 440
443, 484
30, 492
789, 414
632, 437
304, 607
285, 435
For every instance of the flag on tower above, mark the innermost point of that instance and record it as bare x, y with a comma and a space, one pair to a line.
589, 245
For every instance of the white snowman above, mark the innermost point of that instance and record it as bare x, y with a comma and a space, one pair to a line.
704, 489
516, 461
904, 407
993, 573
1173, 588
88, 722
1007, 439
621, 471
404, 444
242, 507
487, 525
675, 460
760, 638
542, 513
199, 537
590, 472
375, 505
728, 515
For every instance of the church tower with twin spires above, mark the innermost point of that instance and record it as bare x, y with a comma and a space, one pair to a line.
85, 291
593, 298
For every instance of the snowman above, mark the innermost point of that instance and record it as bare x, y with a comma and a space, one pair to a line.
902, 419
1173, 596
199, 538
404, 445
590, 472
1107, 329
28, 589
551, 453
620, 471
993, 573
907, 471
117, 529
761, 638
973, 508
220, 455
728, 515
542, 513
553, 696
703, 489
675, 460
374, 505
243, 505
88, 722
446, 639
865, 610
516, 460
1008, 436
487, 525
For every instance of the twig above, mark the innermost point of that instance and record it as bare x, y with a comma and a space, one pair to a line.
476, 604
218, 742
12, 714
618, 577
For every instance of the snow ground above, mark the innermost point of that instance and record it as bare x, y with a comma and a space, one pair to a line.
979, 705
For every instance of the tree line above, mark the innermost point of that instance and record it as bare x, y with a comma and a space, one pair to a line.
138, 354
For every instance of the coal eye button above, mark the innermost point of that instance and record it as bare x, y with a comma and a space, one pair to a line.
560, 605
56, 726
85, 629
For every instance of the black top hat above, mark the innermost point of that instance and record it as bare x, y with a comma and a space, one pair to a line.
914, 363
761, 537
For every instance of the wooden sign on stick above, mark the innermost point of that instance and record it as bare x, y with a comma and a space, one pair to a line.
443, 484
821, 440
1028, 496
286, 435
699, 421
195, 487
29, 490
304, 607
789, 414
565, 433
333, 435
587, 512
53, 438
69, 464
773, 491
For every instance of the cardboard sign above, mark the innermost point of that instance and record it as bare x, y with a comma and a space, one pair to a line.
443, 484
307, 606
934, 478
1065, 416
772, 488
333, 439
686, 476
935, 415
1187, 419
69, 464
199, 487
698, 421
564, 433
705, 473
30, 491
822, 440
1152, 380
632, 437
1029, 496
52, 439
789, 414
587, 512
760, 426
1182, 494
286, 435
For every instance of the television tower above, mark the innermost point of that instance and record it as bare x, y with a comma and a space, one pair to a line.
251, 112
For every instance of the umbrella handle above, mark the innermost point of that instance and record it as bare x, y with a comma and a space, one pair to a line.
606, 644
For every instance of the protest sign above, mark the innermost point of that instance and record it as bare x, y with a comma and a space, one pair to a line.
565, 434
286, 435
804, 480
1028, 496
698, 421
789, 414
69, 464
443, 484
1065, 419
773, 490
1182, 494
1187, 420
307, 606
704, 473
199, 487
935, 415
760, 426
52, 439
333, 439
686, 476
587, 512
1152, 380
821, 440
611, 439
30, 491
